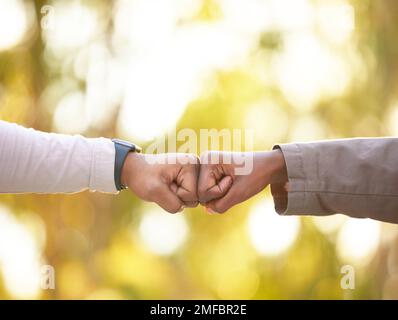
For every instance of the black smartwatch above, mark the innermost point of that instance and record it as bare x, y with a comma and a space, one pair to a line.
122, 149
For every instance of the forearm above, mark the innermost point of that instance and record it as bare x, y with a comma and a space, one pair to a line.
357, 177
39, 162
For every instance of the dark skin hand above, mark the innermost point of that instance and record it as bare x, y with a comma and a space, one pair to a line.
220, 188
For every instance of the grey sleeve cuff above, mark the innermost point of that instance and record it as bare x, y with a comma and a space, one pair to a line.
303, 180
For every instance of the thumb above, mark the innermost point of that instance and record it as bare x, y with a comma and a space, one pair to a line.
168, 200
221, 205
216, 191
183, 194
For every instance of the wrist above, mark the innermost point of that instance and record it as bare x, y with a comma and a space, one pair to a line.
128, 168
279, 170
122, 150
279, 181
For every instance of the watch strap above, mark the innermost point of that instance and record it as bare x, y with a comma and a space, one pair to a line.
122, 149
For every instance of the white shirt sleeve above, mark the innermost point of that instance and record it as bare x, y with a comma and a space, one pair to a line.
37, 162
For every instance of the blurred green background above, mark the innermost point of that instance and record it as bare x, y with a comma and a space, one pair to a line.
291, 70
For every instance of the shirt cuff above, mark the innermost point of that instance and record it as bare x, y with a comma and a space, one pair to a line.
294, 201
102, 166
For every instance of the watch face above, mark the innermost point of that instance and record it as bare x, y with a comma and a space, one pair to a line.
127, 144
124, 143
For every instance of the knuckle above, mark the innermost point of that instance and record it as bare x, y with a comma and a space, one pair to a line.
201, 196
220, 208
201, 188
205, 156
173, 210
204, 172
188, 196
170, 207
202, 193
194, 204
188, 159
193, 158
191, 204
178, 207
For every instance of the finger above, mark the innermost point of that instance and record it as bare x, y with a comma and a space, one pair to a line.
187, 195
221, 205
217, 190
189, 198
207, 178
192, 204
169, 201
187, 181
189, 204
174, 187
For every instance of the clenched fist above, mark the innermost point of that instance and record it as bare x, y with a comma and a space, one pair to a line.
222, 186
170, 180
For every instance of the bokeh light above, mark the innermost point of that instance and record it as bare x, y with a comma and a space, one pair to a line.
307, 70
336, 20
358, 240
70, 116
13, 23
270, 233
329, 224
19, 257
73, 26
163, 233
392, 119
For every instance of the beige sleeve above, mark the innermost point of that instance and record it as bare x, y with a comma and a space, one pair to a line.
356, 177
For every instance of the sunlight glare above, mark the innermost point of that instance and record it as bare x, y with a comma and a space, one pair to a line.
336, 20
70, 116
392, 119
358, 240
74, 25
306, 70
19, 257
270, 233
161, 232
329, 224
13, 23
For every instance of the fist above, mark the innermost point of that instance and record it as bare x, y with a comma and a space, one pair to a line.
170, 179
221, 186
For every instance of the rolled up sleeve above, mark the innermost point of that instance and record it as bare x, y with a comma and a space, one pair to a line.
356, 177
